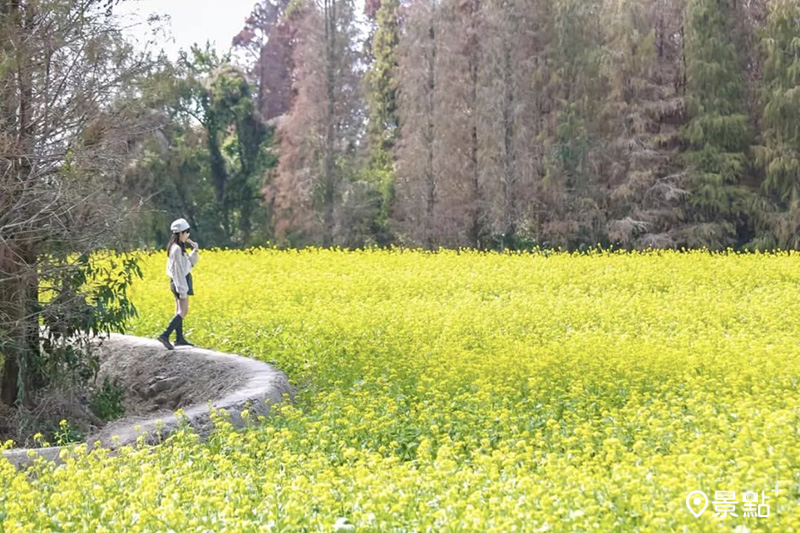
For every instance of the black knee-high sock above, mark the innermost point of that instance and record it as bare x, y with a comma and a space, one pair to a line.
179, 329
173, 326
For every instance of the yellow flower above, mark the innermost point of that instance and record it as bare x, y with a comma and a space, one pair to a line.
465, 390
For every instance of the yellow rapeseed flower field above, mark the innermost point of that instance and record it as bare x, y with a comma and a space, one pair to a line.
466, 391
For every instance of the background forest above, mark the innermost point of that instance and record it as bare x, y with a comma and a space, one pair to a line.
437, 123
483, 123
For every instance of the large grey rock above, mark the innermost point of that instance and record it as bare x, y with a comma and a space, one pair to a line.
184, 378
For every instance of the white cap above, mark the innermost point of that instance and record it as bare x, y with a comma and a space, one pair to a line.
179, 225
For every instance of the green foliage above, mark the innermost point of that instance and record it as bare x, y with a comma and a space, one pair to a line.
382, 82
577, 83
718, 134
86, 296
107, 402
575, 39
383, 126
66, 434
366, 204
236, 142
779, 151
211, 154
571, 148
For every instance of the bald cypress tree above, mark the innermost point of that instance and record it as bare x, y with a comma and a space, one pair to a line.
643, 112
418, 209
718, 135
319, 135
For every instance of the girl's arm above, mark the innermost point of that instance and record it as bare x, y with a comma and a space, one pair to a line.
194, 255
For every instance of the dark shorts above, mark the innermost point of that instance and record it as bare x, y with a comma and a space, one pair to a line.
188, 282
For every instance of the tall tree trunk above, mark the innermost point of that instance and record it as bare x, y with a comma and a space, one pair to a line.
262, 74
18, 277
219, 174
509, 177
478, 229
430, 174
329, 178
10, 312
9, 10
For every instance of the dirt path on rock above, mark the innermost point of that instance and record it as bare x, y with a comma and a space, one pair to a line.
156, 379
157, 382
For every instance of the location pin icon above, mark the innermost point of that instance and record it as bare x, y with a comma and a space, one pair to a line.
697, 501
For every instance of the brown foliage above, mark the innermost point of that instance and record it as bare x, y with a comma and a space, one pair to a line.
317, 137
269, 37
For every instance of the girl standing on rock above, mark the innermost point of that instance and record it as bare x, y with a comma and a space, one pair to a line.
179, 266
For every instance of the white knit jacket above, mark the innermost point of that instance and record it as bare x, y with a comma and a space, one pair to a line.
178, 265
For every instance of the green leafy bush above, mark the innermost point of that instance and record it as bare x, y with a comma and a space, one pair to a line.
107, 403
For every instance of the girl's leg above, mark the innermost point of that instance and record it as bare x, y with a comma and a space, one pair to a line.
183, 307
173, 326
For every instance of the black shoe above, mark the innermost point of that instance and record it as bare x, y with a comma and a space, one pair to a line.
165, 341
173, 326
183, 342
